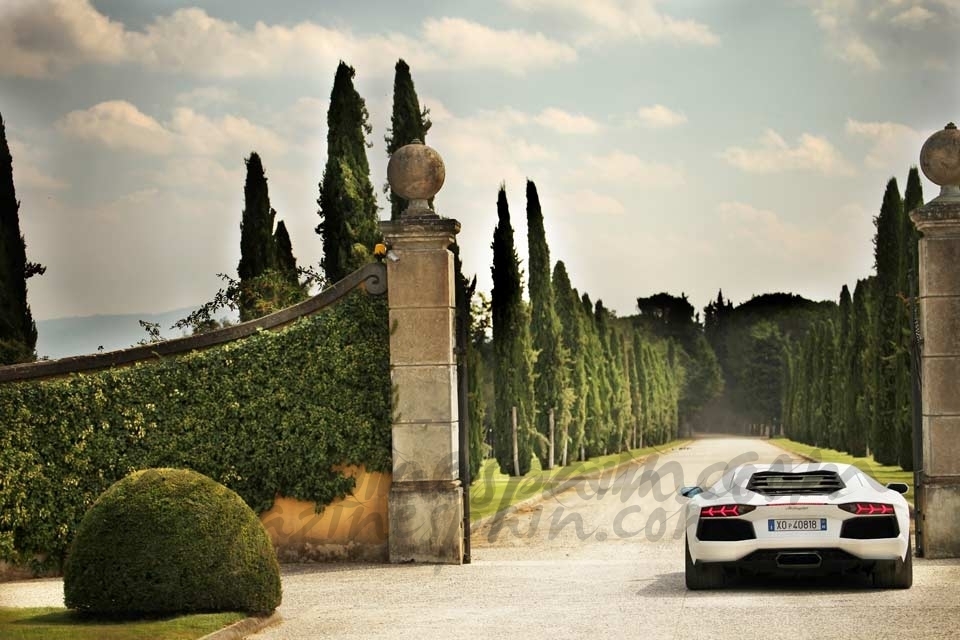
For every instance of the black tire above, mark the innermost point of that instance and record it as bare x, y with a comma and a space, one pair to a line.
895, 575
702, 576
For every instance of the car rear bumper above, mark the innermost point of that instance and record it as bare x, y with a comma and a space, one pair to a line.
805, 562
880, 549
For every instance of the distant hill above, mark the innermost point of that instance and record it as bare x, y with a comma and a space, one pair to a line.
62, 337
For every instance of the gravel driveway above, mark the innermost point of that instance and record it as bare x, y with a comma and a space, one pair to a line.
605, 559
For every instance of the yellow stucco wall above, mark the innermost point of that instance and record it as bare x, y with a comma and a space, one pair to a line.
352, 528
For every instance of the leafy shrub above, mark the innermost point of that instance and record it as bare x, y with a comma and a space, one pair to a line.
271, 413
164, 541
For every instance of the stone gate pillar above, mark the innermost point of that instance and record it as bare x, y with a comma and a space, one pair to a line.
426, 499
939, 222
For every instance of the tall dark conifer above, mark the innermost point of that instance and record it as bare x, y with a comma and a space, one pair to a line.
889, 324
258, 249
408, 123
845, 386
574, 342
857, 398
513, 386
18, 332
550, 373
348, 206
909, 288
286, 262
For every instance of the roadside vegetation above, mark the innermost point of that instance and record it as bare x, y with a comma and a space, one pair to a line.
494, 491
56, 624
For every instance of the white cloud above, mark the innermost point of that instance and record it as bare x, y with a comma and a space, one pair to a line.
438, 111
660, 117
42, 37
486, 148
775, 155
620, 167
26, 172
622, 19
565, 122
202, 97
892, 142
203, 135
464, 44
766, 232
858, 53
117, 124
128, 204
587, 202
191, 41
197, 172
914, 18
871, 35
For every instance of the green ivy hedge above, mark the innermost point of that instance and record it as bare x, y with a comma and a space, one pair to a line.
268, 414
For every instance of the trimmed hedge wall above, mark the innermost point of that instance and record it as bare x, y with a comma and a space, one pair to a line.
268, 414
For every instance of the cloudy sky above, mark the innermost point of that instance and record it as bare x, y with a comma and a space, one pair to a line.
678, 145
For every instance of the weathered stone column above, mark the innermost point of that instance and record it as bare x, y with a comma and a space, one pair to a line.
426, 499
939, 222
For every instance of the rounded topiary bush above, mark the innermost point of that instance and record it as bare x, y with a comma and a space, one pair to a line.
164, 541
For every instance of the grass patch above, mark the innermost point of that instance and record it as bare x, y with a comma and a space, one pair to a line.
56, 624
493, 491
881, 473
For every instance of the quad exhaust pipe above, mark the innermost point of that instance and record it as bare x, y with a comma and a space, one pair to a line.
798, 560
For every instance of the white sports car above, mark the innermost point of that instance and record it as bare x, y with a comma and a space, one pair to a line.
798, 519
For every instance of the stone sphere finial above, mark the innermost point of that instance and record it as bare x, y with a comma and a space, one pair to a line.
940, 157
416, 172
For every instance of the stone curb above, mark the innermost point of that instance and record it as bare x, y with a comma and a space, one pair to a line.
566, 485
913, 514
243, 628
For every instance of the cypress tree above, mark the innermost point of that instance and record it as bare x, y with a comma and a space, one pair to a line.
622, 407
258, 252
889, 324
909, 288
598, 407
286, 262
348, 206
471, 360
633, 386
871, 364
574, 343
258, 249
512, 348
789, 392
18, 332
408, 123
856, 396
267, 269
826, 357
845, 383
811, 350
550, 373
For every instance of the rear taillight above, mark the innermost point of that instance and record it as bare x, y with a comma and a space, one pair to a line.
725, 510
867, 508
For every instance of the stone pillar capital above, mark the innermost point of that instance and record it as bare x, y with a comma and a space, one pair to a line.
424, 233
938, 218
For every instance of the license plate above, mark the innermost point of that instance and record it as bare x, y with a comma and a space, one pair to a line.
804, 524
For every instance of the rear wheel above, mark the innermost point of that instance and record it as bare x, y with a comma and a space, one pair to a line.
702, 576
895, 575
